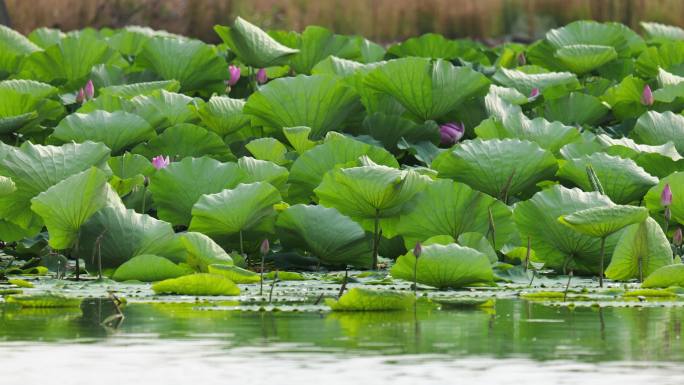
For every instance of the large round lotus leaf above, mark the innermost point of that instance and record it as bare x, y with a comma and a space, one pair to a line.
392, 129
662, 32
203, 251
328, 235
129, 91
666, 276
65, 206
131, 39
478, 242
497, 167
317, 43
196, 65
641, 249
307, 171
668, 56
129, 172
435, 46
555, 244
264, 171
321, 102
425, 88
13, 47
622, 180
245, 207
116, 235
676, 183
6, 186
625, 98
163, 109
148, 268
656, 128
452, 208
603, 221
197, 284
117, 130
445, 266
625, 41
235, 274
270, 149
35, 168
223, 115
44, 37
368, 192
511, 122
36, 89
177, 188
659, 161
16, 110
583, 58
253, 46
186, 140
360, 299
526, 82
576, 109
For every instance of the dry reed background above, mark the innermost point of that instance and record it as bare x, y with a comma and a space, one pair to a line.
381, 20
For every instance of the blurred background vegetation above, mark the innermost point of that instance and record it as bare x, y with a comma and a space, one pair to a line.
380, 20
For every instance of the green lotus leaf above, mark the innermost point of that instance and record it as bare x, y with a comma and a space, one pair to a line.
391, 129
44, 301
662, 32
223, 115
497, 167
35, 168
656, 128
253, 46
148, 268
235, 274
508, 95
13, 47
247, 207
33, 88
478, 242
129, 172
117, 130
66, 206
114, 235
69, 62
605, 220
526, 82
359, 299
6, 186
583, 58
426, 89
666, 276
625, 98
586, 32
269, 149
298, 137
660, 161
186, 140
130, 40
264, 171
668, 56
576, 108
320, 102
16, 111
107, 103
317, 43
622, 180
328, 235
163, 109
177, 188
371, 191
196, 65
445, 266
44, 37
203, 252
307, 171
435, 46
676, 183
642, 249
197, 284
129, 91
558, 246
452, 208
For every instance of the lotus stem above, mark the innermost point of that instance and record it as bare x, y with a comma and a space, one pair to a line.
641, 269
567, 286
242, 247
376, 239
275, 279
344, 282
261, 283
603, 247
74, 253
507, 187
144, 200
527, 254
492, 227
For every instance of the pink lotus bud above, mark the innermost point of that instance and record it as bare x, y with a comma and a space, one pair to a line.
417, 250
160, 162
89, 90
521, 59
80, 97
265, 247
677, 237
535, 93
234, 72
647, 96
451, 133
666, 196
261, 76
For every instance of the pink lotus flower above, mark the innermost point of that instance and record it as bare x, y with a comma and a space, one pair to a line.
666, 196
159, 162
261, 76
535, 93
647, 96
417, 250
89, 90
234, 72
265, 247
80, 97
451, 133
677, 238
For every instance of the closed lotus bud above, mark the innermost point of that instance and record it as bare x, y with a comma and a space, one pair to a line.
451, 133
261, 76
234, 72
417, 250
521, 59
677, 237
159, 162
89, 90
666, 196
647, 96
265, 247
534, 94
80, 97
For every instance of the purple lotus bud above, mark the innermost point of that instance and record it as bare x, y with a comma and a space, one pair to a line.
521, 59
677, 237
417, 250
234, 72
261, 77
666, 196
80, 97
451, 133
647, 96
160, 162
89, 90
265, 247
535, 93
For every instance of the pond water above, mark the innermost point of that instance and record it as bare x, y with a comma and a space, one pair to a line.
181, 343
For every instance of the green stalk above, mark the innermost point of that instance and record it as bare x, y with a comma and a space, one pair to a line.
603, 246
275, 279
376, 239
567, 286
261, 284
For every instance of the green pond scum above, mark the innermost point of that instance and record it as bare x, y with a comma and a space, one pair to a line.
289, 194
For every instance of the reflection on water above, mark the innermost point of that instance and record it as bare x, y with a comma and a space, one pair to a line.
513, 329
